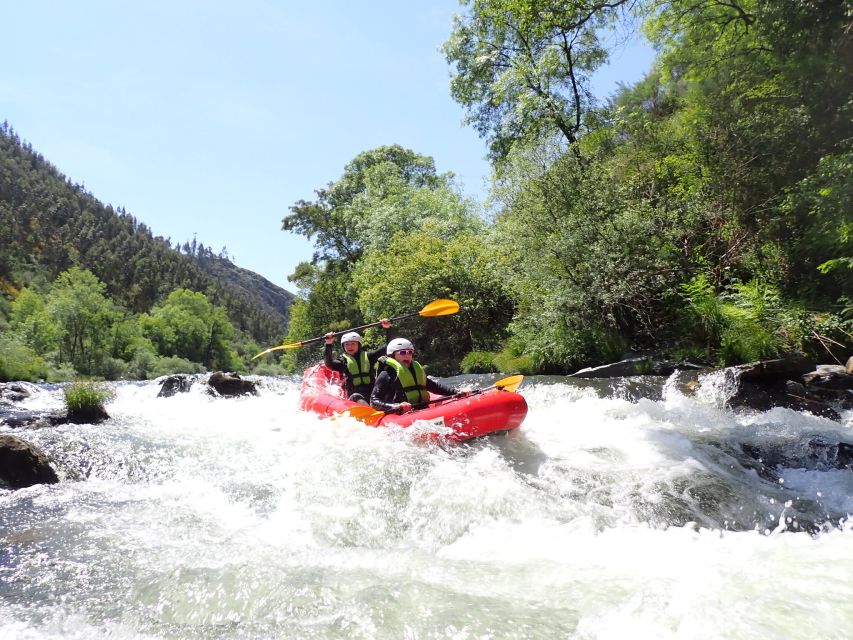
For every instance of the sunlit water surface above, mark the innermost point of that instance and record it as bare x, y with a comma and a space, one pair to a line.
202, 517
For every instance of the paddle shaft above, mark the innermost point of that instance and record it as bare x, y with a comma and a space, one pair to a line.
475, 392
364, 326
457, 396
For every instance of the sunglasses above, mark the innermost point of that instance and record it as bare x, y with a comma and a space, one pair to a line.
405, 352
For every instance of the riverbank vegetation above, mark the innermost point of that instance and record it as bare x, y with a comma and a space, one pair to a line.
72, 328
87, 289
703, 212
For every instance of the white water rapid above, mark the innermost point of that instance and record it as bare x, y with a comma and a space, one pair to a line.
206, 518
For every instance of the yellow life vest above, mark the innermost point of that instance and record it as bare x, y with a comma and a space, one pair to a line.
358, 369
413, 386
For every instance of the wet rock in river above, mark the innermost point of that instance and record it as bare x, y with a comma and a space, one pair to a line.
178, 383
23, 465
231, 384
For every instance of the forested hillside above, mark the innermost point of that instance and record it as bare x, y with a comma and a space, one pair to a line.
703, 212
88, 290
48, 225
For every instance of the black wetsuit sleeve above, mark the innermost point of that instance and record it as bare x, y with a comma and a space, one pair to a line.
334, 365
373, 356
378, 352
383, 394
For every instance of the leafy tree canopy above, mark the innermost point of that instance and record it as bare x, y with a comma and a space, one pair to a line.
334, 219
522, 67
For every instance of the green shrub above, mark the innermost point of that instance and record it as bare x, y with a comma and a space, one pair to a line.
479, 362
62, 373
751, 321
745, 340
507, 362
113, 369
142, 363
703, 319
82, 397
270, 369
174, 364
19, 362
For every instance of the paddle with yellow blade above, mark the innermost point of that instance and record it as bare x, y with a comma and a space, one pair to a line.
372, 416
440, 307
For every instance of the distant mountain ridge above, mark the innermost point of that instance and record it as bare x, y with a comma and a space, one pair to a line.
48, 224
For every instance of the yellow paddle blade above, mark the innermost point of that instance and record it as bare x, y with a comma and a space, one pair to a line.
440, 307
373, 419
363, 413
263, 353
510, 383
278, 348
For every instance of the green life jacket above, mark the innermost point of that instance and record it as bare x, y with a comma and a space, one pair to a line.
413, 386
358, 369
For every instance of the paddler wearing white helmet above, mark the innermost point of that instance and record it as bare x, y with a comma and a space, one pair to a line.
355, 365
402, 384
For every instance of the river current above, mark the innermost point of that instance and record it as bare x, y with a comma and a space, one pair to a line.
604, 515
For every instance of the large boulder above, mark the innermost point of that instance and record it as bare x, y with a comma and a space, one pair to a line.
638, 366
768, 371
776, 383
31, 419
627, 367
178, 383
11, 392
87, 415
829, 376
230, 384
23, 465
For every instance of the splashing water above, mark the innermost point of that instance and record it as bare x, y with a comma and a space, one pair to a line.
600, 517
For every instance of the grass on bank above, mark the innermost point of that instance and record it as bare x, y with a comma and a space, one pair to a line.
84, 397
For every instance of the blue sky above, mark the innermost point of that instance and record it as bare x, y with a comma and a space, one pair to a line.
212, 117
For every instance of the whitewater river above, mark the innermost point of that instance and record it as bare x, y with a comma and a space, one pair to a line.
603, 516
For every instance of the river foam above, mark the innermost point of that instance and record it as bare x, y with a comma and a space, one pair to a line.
600, 517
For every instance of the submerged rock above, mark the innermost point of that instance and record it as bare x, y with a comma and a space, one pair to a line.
815, 453
777, 383
231, 384
23, 465
87, 415
11, 392
31, 419
637, 366
178, 383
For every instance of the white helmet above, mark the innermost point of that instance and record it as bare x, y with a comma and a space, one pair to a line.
352, 336
396, 344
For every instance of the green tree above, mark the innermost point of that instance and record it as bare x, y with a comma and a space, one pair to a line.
522, 67
419, 267
187, 325
328, 304
382, 190
32, 322
333, 222
19, 362
593, 264
819, 218
77, 305
765, 86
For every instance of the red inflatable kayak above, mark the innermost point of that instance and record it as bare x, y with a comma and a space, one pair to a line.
459, 418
